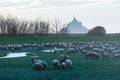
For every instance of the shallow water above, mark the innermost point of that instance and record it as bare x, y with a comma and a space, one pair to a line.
48, 50
23, 54
15, 55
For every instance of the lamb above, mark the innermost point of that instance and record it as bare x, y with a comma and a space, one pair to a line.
56, 64
68, 63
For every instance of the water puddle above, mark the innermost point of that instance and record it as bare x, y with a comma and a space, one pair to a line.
52, 50
15, 55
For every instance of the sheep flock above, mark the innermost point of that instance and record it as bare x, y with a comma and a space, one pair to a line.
89, 50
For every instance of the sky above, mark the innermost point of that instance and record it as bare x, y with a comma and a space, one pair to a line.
91, 13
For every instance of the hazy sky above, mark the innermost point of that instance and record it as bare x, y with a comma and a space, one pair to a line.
90, 12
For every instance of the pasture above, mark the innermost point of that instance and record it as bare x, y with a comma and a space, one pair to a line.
83, 69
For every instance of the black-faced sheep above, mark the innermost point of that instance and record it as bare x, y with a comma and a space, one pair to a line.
37, 66
40, 65
56, 64
63, 58
44, 64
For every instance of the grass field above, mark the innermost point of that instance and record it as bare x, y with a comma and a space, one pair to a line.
55, 38
84, 69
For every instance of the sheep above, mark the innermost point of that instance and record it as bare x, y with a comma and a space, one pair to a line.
63, 58
56, 64
93, 55
55, 50
40, 65
71, 50
105, 55
63, 65
44, 64
35, 60
115, 56
68, 63
83, 52
37, 66
33, 56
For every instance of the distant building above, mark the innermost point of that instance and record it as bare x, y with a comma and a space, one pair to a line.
76, 27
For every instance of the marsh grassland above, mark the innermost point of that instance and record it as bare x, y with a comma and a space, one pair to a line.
83, 69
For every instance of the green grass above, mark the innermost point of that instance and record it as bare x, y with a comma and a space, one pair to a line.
84, 69
44, 39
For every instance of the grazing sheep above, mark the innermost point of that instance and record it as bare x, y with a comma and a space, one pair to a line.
32, 57
105, 55
55, 50
68, 63
71, 50
63, 58
37, 66
40, 65
63, 65
56, 64
44, 64
116, 56
35, 60
93, 55
83, 52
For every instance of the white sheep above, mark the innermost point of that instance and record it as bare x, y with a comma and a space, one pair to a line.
93, 55
68, 63
56, 64
115, 56
63, 65
105, 55
44, 64
35, 60
37, 66
63, 58
33, 57
71, 50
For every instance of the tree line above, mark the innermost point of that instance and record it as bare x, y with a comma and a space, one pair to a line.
12, 25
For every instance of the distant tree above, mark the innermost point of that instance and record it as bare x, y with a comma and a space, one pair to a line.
56, 25
2, 25
41, 26
97, 31
23, 27
12, 24
64, 29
